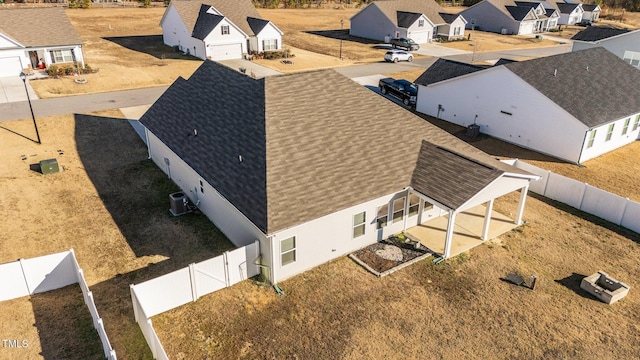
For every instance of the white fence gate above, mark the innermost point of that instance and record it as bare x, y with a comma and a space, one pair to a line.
188, 284
608, 206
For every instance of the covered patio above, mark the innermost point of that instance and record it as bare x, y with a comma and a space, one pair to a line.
467, 230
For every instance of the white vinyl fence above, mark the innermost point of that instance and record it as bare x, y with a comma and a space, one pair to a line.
611, 207
45, 273
188, 284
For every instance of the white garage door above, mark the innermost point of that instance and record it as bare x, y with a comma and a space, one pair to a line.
10, 66
421, 37
225, 52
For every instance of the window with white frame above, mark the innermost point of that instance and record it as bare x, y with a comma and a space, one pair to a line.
636, 123
288, 250
398, 209
224, 29
414, 204
271, 44
632, 57
61, 56
592, 138
382, 216
359, 221
626, 125
610, 132
421, 23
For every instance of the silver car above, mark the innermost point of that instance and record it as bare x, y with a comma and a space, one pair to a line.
398, 55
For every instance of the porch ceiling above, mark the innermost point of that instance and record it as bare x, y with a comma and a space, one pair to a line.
467, 232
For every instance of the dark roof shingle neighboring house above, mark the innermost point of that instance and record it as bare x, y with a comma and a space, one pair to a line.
444, 69
449, 18
589, 7
238, 11
566, 8
429, 8
205, 23
52, 28
597, 33
518, 13
593, 85
288, 149
406, 19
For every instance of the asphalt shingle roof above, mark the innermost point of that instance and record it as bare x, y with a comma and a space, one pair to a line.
449, 18
205, 23
444, 69
45, 27
429, 8
589, 7
448, 177
593, 85
519, 12
566, 8
406, 19
257, 25
238, 11
596, 33
306, 152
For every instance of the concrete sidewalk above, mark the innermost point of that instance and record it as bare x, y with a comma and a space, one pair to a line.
12, 90
436, 50
250, 68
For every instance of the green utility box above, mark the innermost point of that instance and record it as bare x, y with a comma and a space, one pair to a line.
49, 166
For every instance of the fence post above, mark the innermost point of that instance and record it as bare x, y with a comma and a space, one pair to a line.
192, 278
134, 300
225, 259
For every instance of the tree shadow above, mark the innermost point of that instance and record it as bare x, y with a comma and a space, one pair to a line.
152, 45
342, 34
64, 324
572, 282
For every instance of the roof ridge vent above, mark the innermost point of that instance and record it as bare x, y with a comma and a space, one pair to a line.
555, 72
587, 67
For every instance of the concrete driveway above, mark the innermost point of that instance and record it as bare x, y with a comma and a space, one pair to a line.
250, 67
12, 90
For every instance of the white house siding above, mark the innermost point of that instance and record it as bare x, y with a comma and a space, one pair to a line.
13, 61
175, 32
331, 236
421, 34
223, 214
504, 185
489, 18
268, 33
448, 30
527, 27
535, 122
616, 44
571, 19
215, 39
601, 145
371, 23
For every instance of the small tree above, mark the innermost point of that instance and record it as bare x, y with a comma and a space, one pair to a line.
86, 4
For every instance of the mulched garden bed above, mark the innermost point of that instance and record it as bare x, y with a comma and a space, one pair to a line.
389, 255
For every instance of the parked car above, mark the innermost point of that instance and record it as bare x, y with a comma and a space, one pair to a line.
402, 89
408, 44
585, 23
398, 55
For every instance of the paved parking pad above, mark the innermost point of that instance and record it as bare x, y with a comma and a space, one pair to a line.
12, 90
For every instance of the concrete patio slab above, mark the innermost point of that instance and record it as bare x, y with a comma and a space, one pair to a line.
467, 231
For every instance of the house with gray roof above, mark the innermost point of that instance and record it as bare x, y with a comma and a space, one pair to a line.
571, 13
510, 17
591, 12
218, 29
624, 43
420, 20
31, 36
284, 160
573, 106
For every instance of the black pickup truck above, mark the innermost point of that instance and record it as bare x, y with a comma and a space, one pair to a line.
402, 89
408, 44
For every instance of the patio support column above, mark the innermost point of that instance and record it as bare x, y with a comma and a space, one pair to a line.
487, 220
523, 197
449, 237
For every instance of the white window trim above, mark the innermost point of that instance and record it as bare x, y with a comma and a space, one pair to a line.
292, 250
591, 139
378, 217
401, 210
223, 28
363, 224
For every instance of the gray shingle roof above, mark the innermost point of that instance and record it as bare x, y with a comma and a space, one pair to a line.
429, 8
593, 85
589, 7
519, 12
205, 23
306, 152
257, 25
406, 19
449, 18
444, 69
237, 11
39, 27
566, 8
596, 33
448, 177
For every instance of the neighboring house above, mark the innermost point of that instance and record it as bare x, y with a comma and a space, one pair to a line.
420, 20
28, 36
570, 13
510, 17
623, 43
286, 161
218, 29
573, 106
591, 12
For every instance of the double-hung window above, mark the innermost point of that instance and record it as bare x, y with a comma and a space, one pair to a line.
61, 56
636, 123
359, 222
414, 204
610, 132
398, 209
592, 138
271, 44
224, 29
626, 125
288, 250
382, 216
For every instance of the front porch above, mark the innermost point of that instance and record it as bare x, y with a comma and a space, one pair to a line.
467, 231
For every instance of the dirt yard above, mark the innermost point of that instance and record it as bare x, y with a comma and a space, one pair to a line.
111, 205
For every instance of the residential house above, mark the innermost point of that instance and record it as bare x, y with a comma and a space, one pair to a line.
591, 12
622, 42
38, 36
285, 160
511, 17
420, 20
570, 13
218, 29
573, 106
